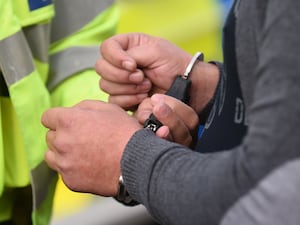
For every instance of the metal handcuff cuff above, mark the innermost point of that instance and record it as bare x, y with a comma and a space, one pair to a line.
179, 89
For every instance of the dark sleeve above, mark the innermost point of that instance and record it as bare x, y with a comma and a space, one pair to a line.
204, 114
180, 186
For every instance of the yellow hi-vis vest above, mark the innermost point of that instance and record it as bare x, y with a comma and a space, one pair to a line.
74, 48
26, 97
24, 72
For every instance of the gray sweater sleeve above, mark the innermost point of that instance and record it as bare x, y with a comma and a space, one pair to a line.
180, 186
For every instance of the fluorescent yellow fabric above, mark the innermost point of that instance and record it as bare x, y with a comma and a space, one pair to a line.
6, 205
27, 17
15, 159
100, 28
14, 14
9, 165
84, 84
30, 99
9, 22
20, 114
80, 86
43, 69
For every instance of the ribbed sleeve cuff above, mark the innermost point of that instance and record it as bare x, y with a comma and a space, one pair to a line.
138, 161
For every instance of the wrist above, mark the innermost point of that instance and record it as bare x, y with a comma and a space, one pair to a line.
204, 77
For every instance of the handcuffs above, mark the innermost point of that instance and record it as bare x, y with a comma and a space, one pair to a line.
179, 89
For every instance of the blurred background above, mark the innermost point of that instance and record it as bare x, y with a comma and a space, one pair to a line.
194, 25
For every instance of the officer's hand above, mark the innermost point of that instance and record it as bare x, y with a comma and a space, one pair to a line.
83, 147
180, 121
135, 65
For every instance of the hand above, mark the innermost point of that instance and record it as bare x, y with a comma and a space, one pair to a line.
86, 143
180, 121
135, 65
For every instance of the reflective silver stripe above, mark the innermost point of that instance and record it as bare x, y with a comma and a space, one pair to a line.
41, 178
15, 58
71, 61
72, 15
38, 38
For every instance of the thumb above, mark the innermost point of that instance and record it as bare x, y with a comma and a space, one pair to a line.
114, 50
160, 109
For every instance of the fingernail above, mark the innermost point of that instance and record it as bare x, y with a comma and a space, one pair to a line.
129, 65
142, 96
157, 98
137, 76
163, 110
145, 85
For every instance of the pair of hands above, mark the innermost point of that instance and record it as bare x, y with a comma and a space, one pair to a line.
86, 141
134, 66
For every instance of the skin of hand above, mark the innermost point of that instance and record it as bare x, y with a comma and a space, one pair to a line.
180, 121
82, 144
134, 66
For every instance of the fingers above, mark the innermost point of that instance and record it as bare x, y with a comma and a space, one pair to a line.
126, 95
50, 160
127, 102
114, 51
144, 110
114, 88
50, 138
120, 78
184, 112
59, 117
111, 72
50, 154
165, 133
179, 118
178, 129
123, 54
49, 118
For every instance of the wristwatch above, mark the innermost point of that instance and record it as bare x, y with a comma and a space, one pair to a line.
123, 196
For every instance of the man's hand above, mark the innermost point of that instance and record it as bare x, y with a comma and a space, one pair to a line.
135, 65
180, 121
86, 143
